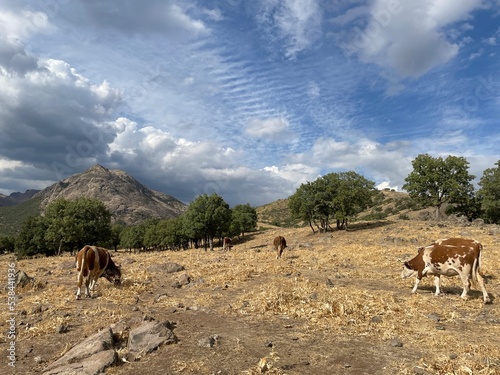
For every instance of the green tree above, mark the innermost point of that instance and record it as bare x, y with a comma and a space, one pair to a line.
132, 237
207, 217
489, 194
171, 233
302, 203
435, 181
336, 195
7, 244
351, 194
31, 239
75, 223
243, 219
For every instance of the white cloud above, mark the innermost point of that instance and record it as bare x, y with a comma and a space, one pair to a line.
408, 36
271, 128
296, 22
168, 17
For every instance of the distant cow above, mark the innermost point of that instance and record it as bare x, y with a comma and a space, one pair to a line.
279, 246
227, 243
448, 257
91, 263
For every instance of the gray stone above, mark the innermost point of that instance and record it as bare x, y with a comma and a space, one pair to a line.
396, 342
208, 342
149, 336
92, 365
22, 279
173, 267
89, 357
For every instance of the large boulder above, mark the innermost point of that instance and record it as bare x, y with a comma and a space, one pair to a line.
89, 357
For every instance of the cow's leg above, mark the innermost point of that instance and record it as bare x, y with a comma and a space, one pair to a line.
88, 286
480, 281
466, 281
80, 282
417, 281
437, 283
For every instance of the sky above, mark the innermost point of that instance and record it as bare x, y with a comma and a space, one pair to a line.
245, 99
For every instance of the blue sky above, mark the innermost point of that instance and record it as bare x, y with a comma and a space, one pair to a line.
245, 99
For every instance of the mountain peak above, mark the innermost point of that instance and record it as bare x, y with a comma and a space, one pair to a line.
128, 200
97, 168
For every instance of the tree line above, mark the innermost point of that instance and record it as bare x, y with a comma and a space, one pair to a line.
68, 225
332, 199
434, 182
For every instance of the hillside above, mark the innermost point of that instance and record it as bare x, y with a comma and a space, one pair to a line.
16, 198
335, 304
128, 200
12, 217
389, 204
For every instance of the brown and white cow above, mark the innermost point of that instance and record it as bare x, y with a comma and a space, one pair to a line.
279, 245
227, 243
448, 257
93, 262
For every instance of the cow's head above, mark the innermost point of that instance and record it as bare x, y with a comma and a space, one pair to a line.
113, 275
407, 270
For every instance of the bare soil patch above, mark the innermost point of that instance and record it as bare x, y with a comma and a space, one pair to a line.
335, 304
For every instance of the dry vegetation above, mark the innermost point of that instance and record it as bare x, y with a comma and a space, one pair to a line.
334, 304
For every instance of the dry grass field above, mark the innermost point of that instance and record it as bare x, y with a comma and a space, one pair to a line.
335, 304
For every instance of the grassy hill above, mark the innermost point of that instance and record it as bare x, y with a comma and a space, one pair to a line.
12, 217
388, 204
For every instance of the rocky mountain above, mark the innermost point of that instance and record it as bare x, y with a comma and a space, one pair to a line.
16, 198
128, 200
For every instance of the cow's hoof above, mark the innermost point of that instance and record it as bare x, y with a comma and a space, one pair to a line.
487, 301
77, 297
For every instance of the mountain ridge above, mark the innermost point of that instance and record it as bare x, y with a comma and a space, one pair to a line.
129, 201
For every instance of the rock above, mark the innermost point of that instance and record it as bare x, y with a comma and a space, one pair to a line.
434, 316
185, 279
396, 342
478, 223
148, 337
62, 328
22, 279
91, 356
173, 267
93, 365
166, 268
208, 342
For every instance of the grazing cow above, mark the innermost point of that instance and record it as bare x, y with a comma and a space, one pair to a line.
279, 246
448, 257
91, 263
227, 244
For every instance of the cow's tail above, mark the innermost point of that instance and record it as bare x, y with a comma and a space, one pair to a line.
476, 267
83, 265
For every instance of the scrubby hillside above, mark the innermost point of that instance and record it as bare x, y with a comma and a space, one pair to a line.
334, 304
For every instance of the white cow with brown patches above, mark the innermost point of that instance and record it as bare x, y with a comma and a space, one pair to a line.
448, 257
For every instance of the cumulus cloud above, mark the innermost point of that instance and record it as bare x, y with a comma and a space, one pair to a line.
297, 23
270, 128
155, 16
408, 37
49, 112
381, 163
